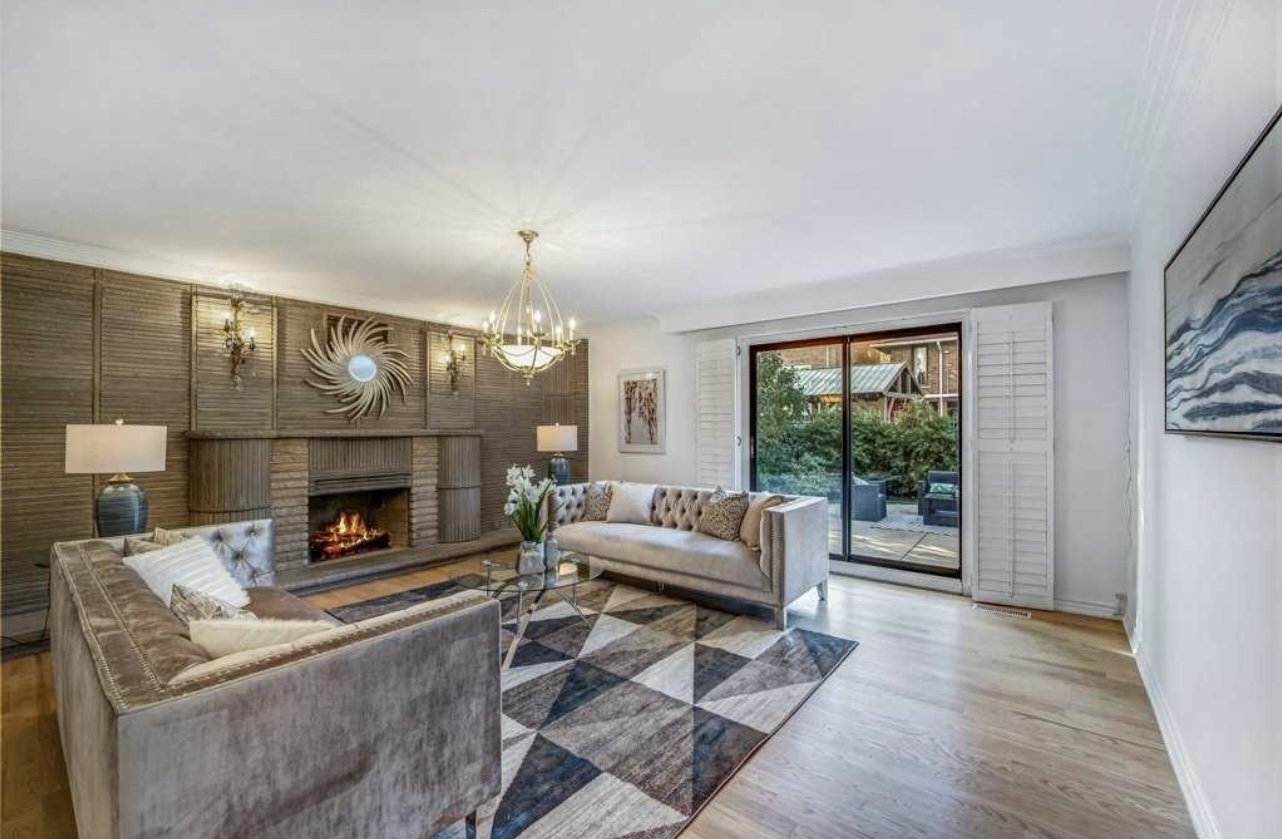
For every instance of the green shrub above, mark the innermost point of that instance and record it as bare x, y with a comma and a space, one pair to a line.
799, 446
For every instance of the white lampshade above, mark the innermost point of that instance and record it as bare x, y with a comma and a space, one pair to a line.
116, 447
557, 438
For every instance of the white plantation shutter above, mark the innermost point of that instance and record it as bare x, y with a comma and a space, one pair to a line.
1014, 455
715, 406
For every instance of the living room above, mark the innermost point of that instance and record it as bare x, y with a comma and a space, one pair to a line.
835, 420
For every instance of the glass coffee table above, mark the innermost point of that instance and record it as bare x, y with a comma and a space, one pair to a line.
498, 578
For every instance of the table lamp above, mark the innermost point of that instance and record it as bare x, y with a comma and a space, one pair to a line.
558, 439
117, 449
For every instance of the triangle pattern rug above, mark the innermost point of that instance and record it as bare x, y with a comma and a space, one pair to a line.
625, 724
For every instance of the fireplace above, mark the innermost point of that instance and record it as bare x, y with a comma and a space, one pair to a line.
356, 523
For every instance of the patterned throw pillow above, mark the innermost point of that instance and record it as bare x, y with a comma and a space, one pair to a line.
135, 546
722, 515
598, 503
191, 605
165, 538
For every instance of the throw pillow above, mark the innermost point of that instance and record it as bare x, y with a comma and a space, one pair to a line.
597, 506
191, 605
750, 531
134, 545
191, 563
631, 503
943, 489
164, 537
722, 515
224, 637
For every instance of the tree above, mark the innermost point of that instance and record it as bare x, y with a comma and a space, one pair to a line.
799, 445
926, 441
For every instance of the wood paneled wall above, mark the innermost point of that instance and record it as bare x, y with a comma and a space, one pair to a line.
459, 488
85, 344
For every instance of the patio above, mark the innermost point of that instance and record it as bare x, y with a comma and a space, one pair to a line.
899, 537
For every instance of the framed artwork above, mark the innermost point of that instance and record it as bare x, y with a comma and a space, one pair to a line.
643, 403
1223, 300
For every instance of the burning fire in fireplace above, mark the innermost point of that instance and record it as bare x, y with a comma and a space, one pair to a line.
349, 533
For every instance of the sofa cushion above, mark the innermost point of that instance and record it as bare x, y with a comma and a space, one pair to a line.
665, 549
278, 604
631, 503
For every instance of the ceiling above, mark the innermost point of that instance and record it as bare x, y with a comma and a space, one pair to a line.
670, 153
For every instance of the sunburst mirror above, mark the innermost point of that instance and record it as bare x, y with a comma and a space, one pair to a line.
359, 367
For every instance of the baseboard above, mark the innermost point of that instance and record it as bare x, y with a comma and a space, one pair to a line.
1085, 607
934, 582
1194, 799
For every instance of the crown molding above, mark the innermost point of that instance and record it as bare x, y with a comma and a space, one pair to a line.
112, 259
966, 274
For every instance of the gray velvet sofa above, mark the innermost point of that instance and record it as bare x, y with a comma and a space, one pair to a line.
389, 727
670, 550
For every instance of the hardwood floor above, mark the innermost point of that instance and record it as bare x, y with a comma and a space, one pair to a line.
946, 722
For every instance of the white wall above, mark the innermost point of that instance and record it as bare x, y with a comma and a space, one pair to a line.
1209, 589
1091, 403
629, 347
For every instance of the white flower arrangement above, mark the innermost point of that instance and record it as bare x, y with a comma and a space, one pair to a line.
526, 502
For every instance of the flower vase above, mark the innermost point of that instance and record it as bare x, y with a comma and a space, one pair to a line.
530, 560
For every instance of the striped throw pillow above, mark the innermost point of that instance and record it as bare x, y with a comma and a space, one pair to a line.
191, 563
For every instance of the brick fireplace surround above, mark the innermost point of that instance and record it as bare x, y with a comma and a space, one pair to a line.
247, 475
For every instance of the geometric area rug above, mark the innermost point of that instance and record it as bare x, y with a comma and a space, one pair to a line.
626, 724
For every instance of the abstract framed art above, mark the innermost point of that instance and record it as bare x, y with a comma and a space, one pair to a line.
642, 411
1223, 306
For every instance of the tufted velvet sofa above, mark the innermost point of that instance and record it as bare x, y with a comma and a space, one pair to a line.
670, 550
388, 727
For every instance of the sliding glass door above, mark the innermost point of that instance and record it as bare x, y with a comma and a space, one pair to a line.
871, 422
798, 426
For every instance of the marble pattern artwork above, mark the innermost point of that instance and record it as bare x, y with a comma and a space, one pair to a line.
1224, 307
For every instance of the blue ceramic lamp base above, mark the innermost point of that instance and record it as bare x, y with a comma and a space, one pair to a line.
559, 469
120, 508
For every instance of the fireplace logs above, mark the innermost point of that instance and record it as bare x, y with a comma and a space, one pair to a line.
348, 533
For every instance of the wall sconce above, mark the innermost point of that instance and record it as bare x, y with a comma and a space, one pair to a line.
454, 359
238, 343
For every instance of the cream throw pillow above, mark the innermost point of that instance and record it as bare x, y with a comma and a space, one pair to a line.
224, 637
750, 531
631, 503
190, 563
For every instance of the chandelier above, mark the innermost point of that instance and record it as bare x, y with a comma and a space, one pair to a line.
526, 334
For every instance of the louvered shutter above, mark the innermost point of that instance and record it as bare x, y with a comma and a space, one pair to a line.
715, 404
1014, 455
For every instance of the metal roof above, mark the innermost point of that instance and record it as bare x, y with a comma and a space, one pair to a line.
865, 379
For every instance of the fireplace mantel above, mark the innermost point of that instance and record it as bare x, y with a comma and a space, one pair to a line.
280, 434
